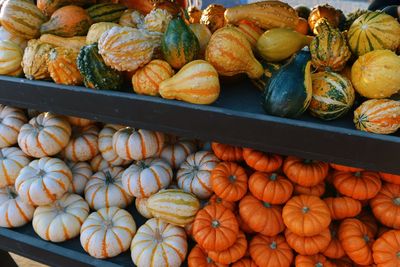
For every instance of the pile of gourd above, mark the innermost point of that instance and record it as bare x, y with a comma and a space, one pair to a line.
180, 54
75, 177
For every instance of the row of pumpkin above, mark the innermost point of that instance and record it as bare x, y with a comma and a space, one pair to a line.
106, 42
241, 206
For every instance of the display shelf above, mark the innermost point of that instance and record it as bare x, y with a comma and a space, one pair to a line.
236, 118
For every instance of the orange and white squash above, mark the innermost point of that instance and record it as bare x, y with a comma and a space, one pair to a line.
104, 189
98, 163
61, 220
107, 232
156, 21
62, 66
81, 122
97, 29
12, 160
131, 144
5, 35
44, 135
13, 211
131, 18
141, 207
146, 177
81, 173
43, 181
106, 146
251, 32
194, 175
11, 121
158, 243
10, 58
176, 150
82, 145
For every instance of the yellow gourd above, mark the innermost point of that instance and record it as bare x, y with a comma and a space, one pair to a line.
203, 34
74, 43
97, 29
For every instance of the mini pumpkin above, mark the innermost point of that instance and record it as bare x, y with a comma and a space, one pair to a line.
260, 161
63, 68
314, 260
345, 168
98, 163
305, 172
13, 211
343, 207
106, 146
270, 187
81, 173
316, 190
216, 200
82, 145
12, 160
358, 185
77, 121
227, 152
198, 258
308, 245
386, 249
11, 121
233, 253
176, 150
386, 205
334, 249
390, 178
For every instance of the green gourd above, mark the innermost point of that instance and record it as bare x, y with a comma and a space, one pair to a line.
106, 12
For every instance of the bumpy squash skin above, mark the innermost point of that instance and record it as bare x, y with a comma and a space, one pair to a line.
62, 67
73, 43
96, 74
34, 61
289, 91
106, 12
179, 44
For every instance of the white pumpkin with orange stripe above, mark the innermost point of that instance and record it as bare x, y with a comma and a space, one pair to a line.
45, 135
106, 145
81, 173
98, 163
105, 189
158, 243
11, 121
81, 122
83, 143
13, 211
107, 232
176, 150
194, 174
61, 220
146, 177
12, 160
141, 207
131, 144
43, 181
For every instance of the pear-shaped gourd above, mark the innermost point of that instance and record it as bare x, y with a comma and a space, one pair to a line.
197, 82
230, 53
179, 44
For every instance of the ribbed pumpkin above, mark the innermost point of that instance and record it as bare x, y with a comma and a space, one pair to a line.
146, 80
329, 50
227, 152
13, 211
5, 35
359, 185
386, 205
141, 207
260, 161
63, 67
96, 74
106, 146
81, 173
157, 20
373, 31
198, 258
176, 150
11, 121
334, 249
21, 18
44, 135
80, 122
371, 69
203, 35
98, 163
233, 253
305, 172
10, 58
390, 178
308, 245
127, 49
146, 177
343, 207
34, 61
106, 12
12, 160
316, 190
96, 30
380, 116
82, 145
385, 249
316, 260
333, 95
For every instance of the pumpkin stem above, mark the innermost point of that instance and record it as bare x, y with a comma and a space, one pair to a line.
273, 245
305, 209
58, 206
142, 164
209, 261
308, 161
398, 255
215, 223
232, 178
396, 201
366, 238
109, 178
1, 154
108, 224
267, 205
319, 264
11, 193
218, 200
357, 174
41, 173
158, 236
273, 176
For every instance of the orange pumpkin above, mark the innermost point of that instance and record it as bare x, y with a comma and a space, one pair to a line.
356, 241
334, 249
358, 185
345, 168
245, 262
233, 253
227, 152
386, 249
343, 207
386, 205
306, 215
314, 260
270, 187
270, 251
305, 172
369, 220
261, 161
390, 178
215, 228
229, 181
260, 216
198, 258
308, 245
216, 200
316, 190
243, 226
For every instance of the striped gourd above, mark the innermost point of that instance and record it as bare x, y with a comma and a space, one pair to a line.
106, 146
98, 163
13, 211
333, 95
127, 49
43, 181
11, 121
21, 18
131, 18
10, 58
174, 206
146, 177
374, 31
63, 68
131, 144
251, 32
197, 82
82, 145
81, 173
5, 35
106, 12
34, 61
12, 160
381, 116
96, 30
176, 150
141, 207
157, 20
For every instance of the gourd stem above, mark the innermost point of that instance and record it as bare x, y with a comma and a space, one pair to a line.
396, 201
273, 245
267, 205
143, 165
11, 193
109, 178
1, 154
232, 178
305, 209
215, 223
357, 174
307, 161
398, 254
319, 264
366, 238
273, 176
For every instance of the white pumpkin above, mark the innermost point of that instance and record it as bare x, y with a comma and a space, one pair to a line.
106, 145
147, 177
194, 174
45, 135
105, 189
61, 220
82, 145
81, 173
98, 163
107, 232
43, 181
158, 243
176, 150
80, 122
11, 121
141, 207
12, 160
13, 211
131, 144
